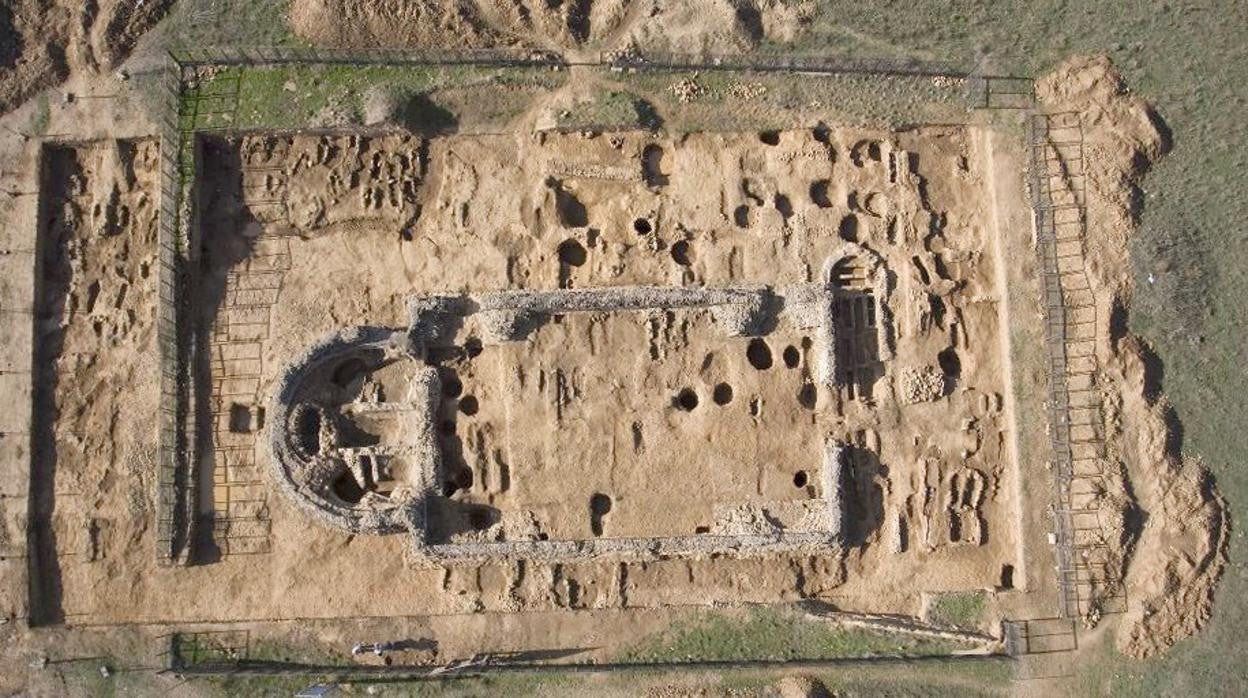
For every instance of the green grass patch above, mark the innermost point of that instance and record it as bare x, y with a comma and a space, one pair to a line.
490, 98
206, 649
263, 651
771, 634
41, 116
611, 109
938, 677
256, 685
739, 100
502, 684
929, 679
964, 610
299, 96
85, 676
295, 653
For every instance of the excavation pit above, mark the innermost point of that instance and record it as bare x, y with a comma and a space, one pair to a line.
414, 353
598, 375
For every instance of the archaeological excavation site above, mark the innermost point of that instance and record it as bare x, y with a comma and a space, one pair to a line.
497, 358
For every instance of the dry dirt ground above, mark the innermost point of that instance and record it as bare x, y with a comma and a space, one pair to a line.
303, 235
290, 222
42, 42
636, 395
96, 373
720, 26
660, 414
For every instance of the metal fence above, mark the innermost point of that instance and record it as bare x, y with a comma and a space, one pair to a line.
174, 500
206, 650
278, 55
998, 92
1088, 581
1039, 636
216, 661
630, 60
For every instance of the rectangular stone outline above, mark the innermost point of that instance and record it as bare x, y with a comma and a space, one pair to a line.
740, 308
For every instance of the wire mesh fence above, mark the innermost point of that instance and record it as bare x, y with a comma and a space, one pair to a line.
633, 60
1089, 583
1054, 302
195, 56
206, 650
173, 499
276, 55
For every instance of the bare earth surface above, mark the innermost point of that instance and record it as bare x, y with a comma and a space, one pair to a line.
929, 483
913, 403
96, 388
702, 25
41, 43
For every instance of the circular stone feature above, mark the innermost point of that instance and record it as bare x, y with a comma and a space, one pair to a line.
341, 451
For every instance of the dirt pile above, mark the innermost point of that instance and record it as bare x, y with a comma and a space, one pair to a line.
1162, 520
391, 23
799, 687
41, 43
1182, 549
703, 25
719, 26
1123, 137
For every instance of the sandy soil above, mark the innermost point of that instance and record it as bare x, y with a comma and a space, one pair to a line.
704, 25
96, 389
42, 43
691, 236
304, 216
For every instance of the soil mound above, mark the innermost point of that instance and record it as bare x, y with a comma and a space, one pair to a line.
701, 25
1183, 544
42, 42
1163, 519
391, 23
720, 26
801, 687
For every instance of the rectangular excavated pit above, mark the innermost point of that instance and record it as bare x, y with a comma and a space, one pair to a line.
629, 424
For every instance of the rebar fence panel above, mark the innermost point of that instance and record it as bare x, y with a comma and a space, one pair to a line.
172, 480
206, 650
1039, 636
241, 523
1088, 577
999, 92
632, 60
278, 55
